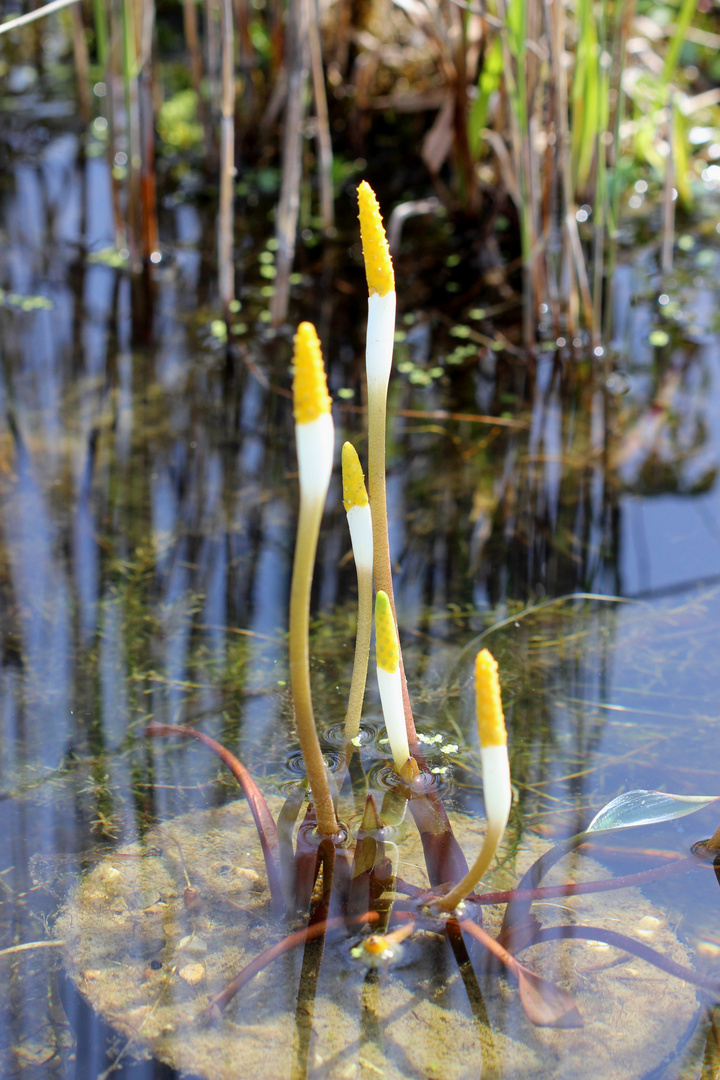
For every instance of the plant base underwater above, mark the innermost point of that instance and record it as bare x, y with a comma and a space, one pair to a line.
153, 931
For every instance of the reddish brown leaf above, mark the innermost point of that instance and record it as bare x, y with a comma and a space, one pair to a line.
263, 818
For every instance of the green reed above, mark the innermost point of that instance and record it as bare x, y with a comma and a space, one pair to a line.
558, 76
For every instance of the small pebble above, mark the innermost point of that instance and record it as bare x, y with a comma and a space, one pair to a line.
192, 974
109, 874
648, 926
192, 944
710, 949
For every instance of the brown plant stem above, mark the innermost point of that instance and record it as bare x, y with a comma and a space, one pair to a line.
226, 270
258, 807
578, 888
444, 857
292, 941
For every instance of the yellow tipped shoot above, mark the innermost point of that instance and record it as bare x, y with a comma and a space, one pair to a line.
386, 642
310, 392
497, 793
354, 490
490, 718
376, 253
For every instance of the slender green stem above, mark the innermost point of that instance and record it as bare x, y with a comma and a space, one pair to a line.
101, 34
305, 548
362, 652
382, 570
685, 15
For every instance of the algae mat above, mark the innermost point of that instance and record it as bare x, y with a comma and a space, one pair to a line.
147, 965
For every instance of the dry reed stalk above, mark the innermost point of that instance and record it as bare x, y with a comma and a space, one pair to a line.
212, 49
192, 40
82, 62
146, 135
226, 273
324, 143
289, 203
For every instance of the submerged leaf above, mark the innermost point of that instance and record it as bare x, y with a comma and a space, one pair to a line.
631, 809
545, 1004
634, 808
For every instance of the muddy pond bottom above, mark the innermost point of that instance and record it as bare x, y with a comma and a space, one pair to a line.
144, 965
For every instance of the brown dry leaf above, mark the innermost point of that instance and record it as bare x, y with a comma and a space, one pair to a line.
439, 139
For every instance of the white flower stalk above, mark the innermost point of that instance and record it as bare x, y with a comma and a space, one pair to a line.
497, 792
314, 434
378, 360
357, 507
378, 357
389, 682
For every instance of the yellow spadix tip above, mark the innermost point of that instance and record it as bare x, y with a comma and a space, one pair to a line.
354, 490
490, 719
386, 642
310, 392
378, 264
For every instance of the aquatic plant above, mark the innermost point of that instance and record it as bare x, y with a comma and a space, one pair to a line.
316, 871
359, 519
314, 432
497, 792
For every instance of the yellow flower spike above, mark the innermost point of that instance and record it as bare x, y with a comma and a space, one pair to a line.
497, 791
386, 642
376, 253
490, 718
314, 431
354, 490
390, 681
310, 392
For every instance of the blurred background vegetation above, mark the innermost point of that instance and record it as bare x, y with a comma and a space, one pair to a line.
544, 129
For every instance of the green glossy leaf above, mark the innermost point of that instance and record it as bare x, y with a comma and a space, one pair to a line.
646, 808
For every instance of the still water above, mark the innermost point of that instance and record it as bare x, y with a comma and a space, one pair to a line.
147, 517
